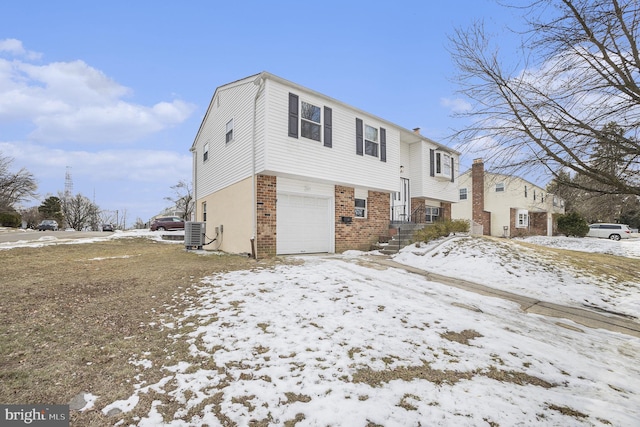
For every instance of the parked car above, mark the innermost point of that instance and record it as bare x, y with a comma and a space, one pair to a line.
107, 227
48, 224
609, 231
167, 223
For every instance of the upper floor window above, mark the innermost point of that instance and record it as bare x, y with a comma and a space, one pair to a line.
205, 154
229, 134
371, 140
525, 191
534, 194
441, 164
463, 194
499, 187
309, 120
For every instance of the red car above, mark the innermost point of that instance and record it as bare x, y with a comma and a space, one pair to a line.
167, 223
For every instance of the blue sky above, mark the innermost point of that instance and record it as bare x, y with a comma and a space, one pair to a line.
116, 90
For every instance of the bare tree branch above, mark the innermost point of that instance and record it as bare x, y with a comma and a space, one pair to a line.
551, 114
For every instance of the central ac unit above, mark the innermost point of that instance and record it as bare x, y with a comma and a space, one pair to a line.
194, 234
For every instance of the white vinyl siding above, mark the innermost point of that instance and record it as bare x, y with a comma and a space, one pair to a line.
303, 157
425, 185
228, 163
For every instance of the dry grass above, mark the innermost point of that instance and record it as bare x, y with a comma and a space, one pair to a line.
70, 322
620, 269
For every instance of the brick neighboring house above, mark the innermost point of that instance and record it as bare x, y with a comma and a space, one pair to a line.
505, 205
281, 169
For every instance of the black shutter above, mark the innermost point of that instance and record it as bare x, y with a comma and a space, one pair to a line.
383, 145
432, 159
328, 136
359, 138
453, 175
293, 115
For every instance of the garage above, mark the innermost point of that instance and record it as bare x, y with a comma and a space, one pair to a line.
303, 223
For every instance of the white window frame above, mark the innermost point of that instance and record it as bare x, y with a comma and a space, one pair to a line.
464, 191
229, 132
431, 214
310, 121
373, 142
361, 212
205, 152
204, 211
443, 162
500, 187
522, 218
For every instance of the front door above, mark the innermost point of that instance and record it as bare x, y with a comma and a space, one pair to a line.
400, 205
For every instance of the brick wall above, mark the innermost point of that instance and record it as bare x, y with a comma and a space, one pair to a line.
537, 224
477, 196
445, 211
266, 216
361, 232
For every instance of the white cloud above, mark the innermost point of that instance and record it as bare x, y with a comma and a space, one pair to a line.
455, 105
132, 165
74, 102
15, 48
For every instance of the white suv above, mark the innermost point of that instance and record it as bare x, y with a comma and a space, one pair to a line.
609, 231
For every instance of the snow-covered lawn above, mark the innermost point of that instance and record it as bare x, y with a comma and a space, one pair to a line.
506, 265
340, 341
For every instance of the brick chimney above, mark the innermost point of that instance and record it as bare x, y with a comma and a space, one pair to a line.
477, 191
416, 130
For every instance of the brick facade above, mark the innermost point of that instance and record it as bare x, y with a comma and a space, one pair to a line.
445, 211
537, 224
478, 214
361, 232
266, 216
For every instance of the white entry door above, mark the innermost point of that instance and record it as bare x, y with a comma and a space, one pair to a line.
302, 224
401, 203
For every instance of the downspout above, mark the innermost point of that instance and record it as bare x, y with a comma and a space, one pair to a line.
259, 81
194, 177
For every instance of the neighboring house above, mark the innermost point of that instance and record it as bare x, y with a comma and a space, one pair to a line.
279, 169
505, 205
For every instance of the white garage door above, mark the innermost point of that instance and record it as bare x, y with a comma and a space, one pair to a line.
302, 224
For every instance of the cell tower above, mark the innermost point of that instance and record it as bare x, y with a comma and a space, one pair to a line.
68, 184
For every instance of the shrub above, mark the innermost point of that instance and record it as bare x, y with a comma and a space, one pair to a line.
10, 219
441, 229
572, 224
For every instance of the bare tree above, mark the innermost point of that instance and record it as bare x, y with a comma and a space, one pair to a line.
79, 212
579, 71
14, 186
182, 199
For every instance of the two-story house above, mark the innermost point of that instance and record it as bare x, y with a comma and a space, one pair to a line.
282, 169
505, 205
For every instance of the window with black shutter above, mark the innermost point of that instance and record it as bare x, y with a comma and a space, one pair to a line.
293, 115
328, 135
432, 161
383, 145
359, 138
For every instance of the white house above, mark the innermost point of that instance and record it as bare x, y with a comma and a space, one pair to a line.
279, 168
505, 205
